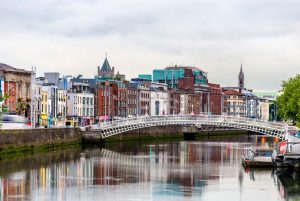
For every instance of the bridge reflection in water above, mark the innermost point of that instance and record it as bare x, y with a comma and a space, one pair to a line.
209, 169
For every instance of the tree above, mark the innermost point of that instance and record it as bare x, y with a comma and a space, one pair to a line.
2, 107
21, 106
289, 100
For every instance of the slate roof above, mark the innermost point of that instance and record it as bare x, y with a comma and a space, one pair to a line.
7, 68
105, 66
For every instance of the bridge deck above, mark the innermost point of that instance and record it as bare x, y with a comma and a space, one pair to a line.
107, 129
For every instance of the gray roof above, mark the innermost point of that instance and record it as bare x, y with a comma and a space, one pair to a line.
7, 68
105, 66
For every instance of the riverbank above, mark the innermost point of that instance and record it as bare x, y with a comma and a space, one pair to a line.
17, 142
29, 140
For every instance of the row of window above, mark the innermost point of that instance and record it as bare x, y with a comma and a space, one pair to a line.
132, 111
83, 111
130, 92
144, 103
82, 100
145, 95
132, 101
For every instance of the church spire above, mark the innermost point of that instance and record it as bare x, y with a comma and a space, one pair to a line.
241, 70
241, 78
106, 70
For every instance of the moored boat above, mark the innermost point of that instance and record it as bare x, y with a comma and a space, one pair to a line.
258, 157
287, 152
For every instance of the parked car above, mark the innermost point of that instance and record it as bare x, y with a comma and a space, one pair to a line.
13, 122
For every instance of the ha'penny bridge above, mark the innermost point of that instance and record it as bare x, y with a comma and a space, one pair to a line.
107, 129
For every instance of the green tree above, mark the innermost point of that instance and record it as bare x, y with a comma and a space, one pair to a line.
21, 106
3, 108
289, 100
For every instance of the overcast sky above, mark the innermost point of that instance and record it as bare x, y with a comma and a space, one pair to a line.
72, 37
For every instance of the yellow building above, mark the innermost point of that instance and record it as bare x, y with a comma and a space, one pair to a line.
45, 108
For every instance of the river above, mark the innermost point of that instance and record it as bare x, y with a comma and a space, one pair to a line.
207, 169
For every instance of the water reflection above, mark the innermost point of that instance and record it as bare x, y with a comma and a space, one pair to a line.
209, 169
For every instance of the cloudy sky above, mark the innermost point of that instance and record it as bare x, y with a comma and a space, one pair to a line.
72, 37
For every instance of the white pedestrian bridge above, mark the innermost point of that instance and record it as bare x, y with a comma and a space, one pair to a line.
111, 128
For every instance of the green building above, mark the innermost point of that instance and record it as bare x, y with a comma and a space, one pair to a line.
171, 75
145, 77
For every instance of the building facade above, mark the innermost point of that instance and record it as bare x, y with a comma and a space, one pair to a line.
234, 103
158, 99
132, 99
215, 99
17, 84
173, 102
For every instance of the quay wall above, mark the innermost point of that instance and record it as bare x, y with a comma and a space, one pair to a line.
33, 138
30, 139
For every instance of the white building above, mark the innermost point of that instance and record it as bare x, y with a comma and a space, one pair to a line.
184, 104
37, 104
82, 106
158, 99
264, 107
62, 106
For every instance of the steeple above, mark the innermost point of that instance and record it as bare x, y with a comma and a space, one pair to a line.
241, 78
105, 65
106, 70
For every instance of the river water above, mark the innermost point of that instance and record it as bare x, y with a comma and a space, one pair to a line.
207, 169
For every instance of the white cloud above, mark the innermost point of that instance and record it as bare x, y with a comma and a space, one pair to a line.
72, 37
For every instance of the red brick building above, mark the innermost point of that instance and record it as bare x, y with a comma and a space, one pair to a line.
173, 102
215, 99
106, 100
111, 99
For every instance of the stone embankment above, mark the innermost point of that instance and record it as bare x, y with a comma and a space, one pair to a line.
26, 139
30, 139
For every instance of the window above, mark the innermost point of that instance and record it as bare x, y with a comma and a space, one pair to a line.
27, 89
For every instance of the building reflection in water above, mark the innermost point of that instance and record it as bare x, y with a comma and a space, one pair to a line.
185, 168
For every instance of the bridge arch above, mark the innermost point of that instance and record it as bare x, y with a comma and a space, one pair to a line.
108, 129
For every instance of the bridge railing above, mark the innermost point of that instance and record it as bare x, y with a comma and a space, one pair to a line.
189, 118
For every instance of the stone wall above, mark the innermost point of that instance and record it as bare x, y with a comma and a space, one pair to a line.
10, 139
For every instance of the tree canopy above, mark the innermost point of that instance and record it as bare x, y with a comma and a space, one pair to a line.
289, 100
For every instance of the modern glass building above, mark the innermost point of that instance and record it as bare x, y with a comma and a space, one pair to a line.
145, 77
170, 75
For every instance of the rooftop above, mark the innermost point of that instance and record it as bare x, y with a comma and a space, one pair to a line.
7, 68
